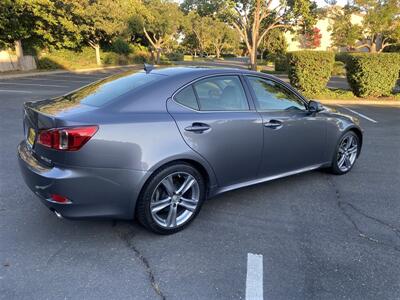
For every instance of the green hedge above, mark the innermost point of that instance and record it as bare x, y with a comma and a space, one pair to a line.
373, 75
309, 70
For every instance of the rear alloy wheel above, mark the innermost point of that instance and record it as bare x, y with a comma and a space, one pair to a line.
346, 153
171, 199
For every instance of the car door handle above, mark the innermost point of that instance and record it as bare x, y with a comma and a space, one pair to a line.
273, 124
198, 128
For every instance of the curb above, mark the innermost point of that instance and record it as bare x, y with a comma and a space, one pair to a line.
10, 76
361, 102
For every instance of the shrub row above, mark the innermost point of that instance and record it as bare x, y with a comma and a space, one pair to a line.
309, 70
373, 74
368, 74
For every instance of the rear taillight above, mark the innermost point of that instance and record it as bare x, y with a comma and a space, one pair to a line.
68, 139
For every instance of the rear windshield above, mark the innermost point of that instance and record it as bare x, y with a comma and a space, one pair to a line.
105, 91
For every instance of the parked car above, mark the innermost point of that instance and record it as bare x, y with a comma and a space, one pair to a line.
155, 144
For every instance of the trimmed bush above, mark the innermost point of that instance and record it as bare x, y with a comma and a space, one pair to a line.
309, 70
139, 57
121, 47
373, 75
174, 56
111, 58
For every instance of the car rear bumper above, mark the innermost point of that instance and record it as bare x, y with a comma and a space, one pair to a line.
93, 192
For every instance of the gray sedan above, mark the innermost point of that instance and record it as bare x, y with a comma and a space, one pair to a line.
155, 144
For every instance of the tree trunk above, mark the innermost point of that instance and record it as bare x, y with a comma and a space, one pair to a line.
372, 48
97, 48
253, 59
19, 52
158, 55
217, 52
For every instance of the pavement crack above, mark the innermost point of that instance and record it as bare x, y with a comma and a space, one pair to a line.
350, 211
127, 238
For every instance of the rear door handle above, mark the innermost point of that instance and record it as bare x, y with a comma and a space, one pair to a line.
198, 128
273, 124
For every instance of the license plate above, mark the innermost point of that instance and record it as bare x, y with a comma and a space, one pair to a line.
31, 136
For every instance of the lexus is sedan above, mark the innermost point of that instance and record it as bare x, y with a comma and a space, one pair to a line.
154, 144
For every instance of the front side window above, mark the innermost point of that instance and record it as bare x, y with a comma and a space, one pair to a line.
273, 96
221, 93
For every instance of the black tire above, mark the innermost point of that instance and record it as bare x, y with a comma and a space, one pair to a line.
143, 207
335, 169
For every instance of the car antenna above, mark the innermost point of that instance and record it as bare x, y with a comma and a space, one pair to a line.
148, 68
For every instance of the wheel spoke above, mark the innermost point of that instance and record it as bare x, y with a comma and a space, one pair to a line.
352, 150
187, 184
171, 219
349, 142
189, 204
168, 185
347, 162
341, 161
160, 205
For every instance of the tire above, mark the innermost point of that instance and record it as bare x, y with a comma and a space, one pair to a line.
338, 166
185, 188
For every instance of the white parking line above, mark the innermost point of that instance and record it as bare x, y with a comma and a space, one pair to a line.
16, 91
359, 114
14, 83
254, 278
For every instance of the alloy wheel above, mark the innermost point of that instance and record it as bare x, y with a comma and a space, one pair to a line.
175, 200
347, 153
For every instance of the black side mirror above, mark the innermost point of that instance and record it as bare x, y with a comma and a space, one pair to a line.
314, 106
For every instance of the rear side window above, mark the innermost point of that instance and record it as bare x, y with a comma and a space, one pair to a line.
221, 93
104, 91
187, 98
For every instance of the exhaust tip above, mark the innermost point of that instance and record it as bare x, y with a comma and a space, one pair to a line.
58, 215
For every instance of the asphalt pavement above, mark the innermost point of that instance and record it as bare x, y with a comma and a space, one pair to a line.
309, 236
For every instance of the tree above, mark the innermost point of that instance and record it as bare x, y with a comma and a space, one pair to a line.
201, 28
42, 22
381, 23
254, 19
274, 44
344, 32
160, 22
222, 38
311, 39
102, 20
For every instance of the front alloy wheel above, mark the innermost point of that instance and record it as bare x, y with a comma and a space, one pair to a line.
346, 153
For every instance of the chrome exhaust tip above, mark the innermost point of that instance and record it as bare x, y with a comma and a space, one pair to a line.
58, 215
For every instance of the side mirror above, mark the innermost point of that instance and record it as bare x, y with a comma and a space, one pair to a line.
314, 106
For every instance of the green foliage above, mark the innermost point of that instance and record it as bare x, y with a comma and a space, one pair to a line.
43, 22
309, 70
47, 63
342, 57
120, 46
174, 56
343, 32
338, 69
373, 74
67, 59
112, 58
